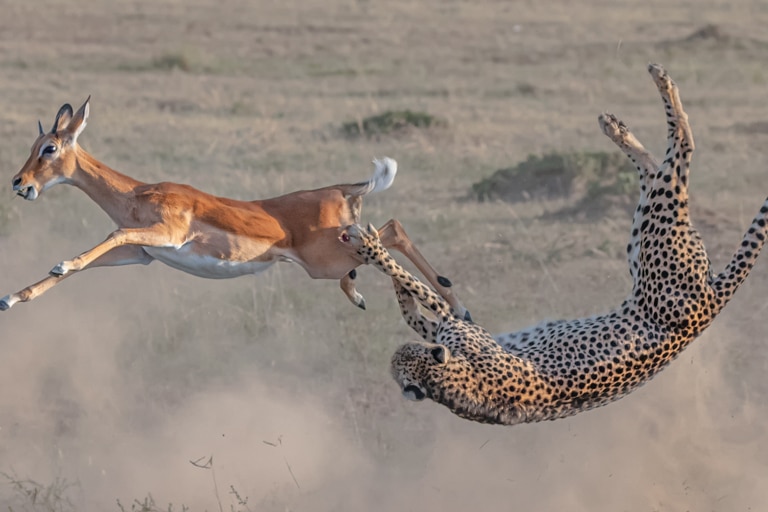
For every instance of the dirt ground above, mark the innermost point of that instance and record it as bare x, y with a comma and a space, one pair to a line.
114, 381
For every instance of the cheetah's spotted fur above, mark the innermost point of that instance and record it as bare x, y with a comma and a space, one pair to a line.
557, 369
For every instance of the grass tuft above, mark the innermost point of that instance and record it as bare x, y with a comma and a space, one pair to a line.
392, 122
148, 504
30, 495
587, 179
182, 61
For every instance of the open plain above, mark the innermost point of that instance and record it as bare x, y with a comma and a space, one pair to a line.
111, 383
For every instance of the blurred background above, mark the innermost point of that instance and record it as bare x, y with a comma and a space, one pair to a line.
277, 387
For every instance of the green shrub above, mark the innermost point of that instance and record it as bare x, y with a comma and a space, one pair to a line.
172, 61
391, 122
587, 176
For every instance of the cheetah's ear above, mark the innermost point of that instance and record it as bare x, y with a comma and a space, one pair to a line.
372, 230
441, 354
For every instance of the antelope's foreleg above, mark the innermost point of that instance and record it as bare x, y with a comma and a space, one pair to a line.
347, 285
125, 255
393, 236
153, 236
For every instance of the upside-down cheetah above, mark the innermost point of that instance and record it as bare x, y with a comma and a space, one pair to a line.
557, 369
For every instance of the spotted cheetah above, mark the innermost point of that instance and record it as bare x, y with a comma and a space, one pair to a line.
557, 369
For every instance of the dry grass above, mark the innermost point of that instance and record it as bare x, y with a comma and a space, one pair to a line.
119, 377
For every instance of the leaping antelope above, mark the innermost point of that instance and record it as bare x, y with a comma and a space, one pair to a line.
205, 235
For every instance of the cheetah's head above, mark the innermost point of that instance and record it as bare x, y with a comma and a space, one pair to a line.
428, 370
415, 367
363, 241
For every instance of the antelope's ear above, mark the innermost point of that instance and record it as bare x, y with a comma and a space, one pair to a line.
79, 120
63, 117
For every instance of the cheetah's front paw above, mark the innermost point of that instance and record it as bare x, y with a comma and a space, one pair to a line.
615, 129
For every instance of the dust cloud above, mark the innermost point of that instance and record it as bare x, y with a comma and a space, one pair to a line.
72, 409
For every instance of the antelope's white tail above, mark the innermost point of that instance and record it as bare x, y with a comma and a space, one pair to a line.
382, 179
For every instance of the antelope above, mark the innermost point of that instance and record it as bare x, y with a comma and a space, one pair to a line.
201, 234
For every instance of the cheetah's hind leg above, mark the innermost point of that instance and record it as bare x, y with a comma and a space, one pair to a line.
679, 130
646, 167
673, 173
677, 162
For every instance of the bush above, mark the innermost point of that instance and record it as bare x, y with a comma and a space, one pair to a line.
587, 179
391, 122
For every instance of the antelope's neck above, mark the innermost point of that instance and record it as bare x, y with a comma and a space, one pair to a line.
112, 191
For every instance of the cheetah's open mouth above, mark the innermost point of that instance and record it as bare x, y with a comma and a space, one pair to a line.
414, 393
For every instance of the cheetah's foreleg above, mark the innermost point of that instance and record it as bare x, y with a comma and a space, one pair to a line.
646, 167
424, 327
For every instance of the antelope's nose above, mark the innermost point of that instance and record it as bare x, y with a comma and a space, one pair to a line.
16, 183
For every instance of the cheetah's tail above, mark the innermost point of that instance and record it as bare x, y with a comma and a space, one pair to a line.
728, 281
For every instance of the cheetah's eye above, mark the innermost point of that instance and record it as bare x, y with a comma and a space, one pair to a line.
344, 237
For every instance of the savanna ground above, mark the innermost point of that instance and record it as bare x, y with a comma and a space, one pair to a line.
114, 381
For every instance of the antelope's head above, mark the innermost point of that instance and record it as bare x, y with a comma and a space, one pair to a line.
53, 156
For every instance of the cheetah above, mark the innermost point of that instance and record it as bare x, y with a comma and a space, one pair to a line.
560, 368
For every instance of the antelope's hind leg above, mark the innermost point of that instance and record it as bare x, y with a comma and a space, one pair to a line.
370, 249
393, 236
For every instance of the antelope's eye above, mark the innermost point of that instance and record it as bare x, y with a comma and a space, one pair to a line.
344, 237
49, 150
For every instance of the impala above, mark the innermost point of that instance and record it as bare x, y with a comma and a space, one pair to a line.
205, 235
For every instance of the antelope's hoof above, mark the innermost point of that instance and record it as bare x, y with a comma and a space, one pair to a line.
62, 268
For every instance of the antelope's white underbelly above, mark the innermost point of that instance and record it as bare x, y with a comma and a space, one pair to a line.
204, 265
